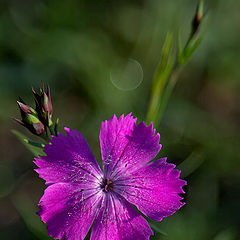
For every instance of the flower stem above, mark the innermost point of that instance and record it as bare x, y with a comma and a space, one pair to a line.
169, 69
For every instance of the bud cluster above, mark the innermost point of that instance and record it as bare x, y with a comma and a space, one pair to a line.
39, 119
44, 105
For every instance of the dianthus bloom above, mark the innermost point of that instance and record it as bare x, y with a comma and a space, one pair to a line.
80, 193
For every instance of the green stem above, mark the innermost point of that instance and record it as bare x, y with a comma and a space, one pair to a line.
160, 96
163, 84
160, 79
168, 90
153, 108
52, 131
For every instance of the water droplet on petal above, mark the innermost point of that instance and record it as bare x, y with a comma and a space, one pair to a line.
108, 160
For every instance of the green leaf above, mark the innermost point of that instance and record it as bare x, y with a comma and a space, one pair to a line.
161, 75
179, 49
56, 127
165, 63
189, 50
192, 163
34, 147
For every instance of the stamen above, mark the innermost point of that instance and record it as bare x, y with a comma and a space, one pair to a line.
107, 185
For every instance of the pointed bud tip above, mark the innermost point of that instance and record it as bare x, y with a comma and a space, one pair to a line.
19, 121
25, 108
48, 92
34, 92
42, 87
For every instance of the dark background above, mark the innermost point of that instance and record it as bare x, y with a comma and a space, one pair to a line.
72, 45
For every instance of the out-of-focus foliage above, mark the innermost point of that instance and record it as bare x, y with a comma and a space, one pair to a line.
75, 46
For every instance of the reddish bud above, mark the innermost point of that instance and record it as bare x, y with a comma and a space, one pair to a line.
44, 105
30, 119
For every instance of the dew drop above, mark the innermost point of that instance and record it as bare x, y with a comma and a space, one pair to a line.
108, 160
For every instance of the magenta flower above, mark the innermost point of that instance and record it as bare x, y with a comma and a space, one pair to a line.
80, 193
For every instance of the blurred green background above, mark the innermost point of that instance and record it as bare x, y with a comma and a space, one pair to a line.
78, 47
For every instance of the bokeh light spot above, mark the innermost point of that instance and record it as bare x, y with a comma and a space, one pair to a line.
126, 74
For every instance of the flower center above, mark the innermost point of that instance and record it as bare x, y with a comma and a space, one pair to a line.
107, 185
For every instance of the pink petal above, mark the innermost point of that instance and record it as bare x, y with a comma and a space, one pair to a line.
153, 189
68, 159
118, 220
126, 146
68, 210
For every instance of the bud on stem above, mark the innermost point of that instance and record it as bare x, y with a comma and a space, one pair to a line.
39, 120
30, 119
44, 105
197, 18
169, 69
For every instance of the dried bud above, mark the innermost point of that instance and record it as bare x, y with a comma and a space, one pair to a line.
197, 18
44, 105
30, 119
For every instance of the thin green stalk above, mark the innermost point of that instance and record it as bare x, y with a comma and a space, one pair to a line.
161, 75
168, 90
168, 70
52, 131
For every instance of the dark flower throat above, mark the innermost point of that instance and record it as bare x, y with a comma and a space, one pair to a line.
107, 185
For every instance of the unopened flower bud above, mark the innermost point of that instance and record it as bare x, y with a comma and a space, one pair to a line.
197, 18
30, 119
44, 105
